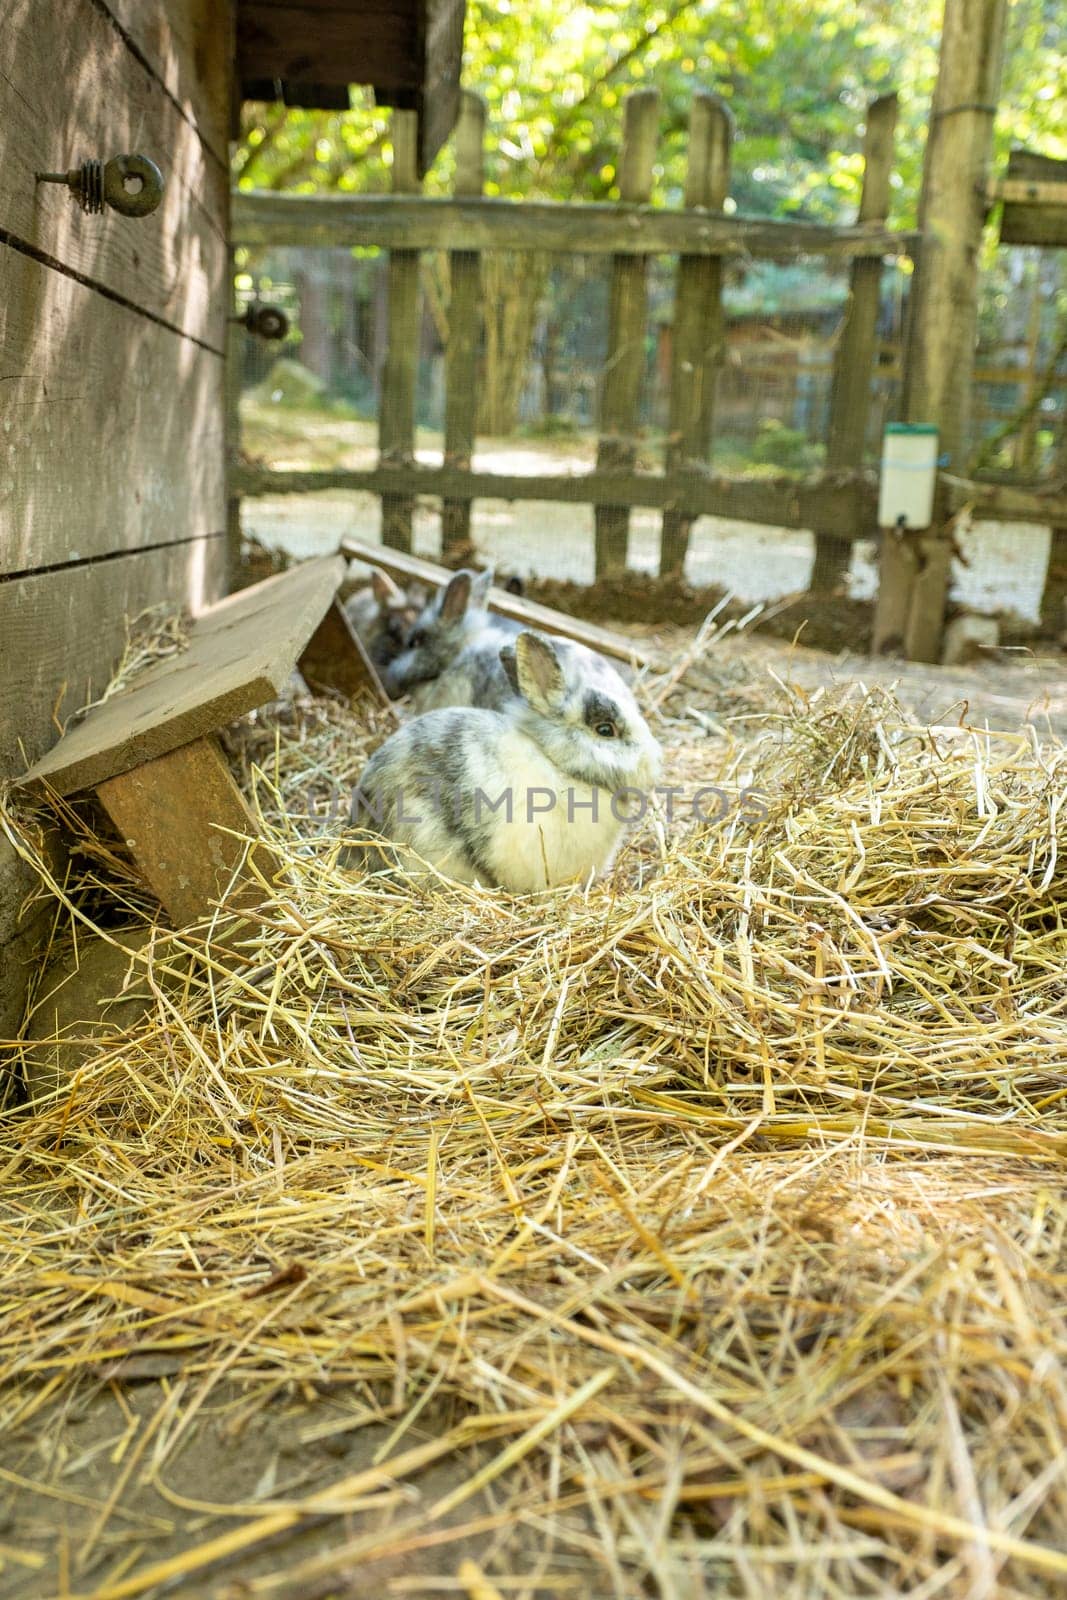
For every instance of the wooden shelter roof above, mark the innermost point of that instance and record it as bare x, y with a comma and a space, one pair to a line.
409, 51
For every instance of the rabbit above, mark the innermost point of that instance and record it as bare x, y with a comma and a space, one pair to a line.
452, 653
523, 798
383, 615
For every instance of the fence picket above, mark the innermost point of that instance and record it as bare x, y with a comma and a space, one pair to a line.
396, 421
697, 340
464, 309
855, 359
625, 363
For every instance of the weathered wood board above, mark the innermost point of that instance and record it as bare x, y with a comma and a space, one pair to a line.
112, 492
189, 48
171, 263
62, 634
421, 223
1027, 222
843, 503
377, 43
119, 435
241, 654
401, 565
182, 817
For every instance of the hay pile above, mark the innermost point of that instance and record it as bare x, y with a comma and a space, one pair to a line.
721, 1205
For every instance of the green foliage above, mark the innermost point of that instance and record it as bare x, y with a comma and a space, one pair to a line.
775, 445
797, 78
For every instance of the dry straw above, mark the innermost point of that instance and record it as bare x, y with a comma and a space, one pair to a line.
720, 1206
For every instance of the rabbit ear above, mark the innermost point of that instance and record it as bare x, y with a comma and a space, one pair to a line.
456, 598
539, 673
510, 666
481, 586
386, 592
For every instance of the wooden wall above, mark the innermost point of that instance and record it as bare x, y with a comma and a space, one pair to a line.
112, 333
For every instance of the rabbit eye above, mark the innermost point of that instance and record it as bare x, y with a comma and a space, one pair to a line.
606, 730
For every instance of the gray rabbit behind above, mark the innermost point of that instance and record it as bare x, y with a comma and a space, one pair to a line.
452, 652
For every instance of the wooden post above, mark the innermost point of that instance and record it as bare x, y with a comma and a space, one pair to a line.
943, 313
698, 340
464, 306
856, 354
396, 413
1054, 592
235, 337
625, 364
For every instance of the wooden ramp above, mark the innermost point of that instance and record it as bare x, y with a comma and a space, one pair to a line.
544, 618
151, 753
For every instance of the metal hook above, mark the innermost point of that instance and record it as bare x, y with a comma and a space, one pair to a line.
131, 185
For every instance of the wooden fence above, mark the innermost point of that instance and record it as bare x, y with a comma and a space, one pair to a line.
838, 505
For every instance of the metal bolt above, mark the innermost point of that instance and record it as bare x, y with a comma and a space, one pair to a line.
131, 185
267, 322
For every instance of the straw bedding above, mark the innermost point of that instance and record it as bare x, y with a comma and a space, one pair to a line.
720, 1205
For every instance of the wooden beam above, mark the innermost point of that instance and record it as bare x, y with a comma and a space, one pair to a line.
400, 564
1038, 194
1035, 200
394, 222
624, 364
180, 816
698, 340
1045, 504
842, 502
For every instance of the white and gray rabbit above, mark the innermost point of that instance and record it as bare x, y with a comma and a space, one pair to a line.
452, 652
383, 615
525, 798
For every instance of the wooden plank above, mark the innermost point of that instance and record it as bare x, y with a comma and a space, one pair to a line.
464, 328
844, 503
624, 360
374, 44
427, 223
1045, 504
852, 384
62, 633
188, 44
241, 653
396, 410
401, 564
442, 61
178, 816
171, 263
334, 658
118, 443
1035, 196
698, 342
